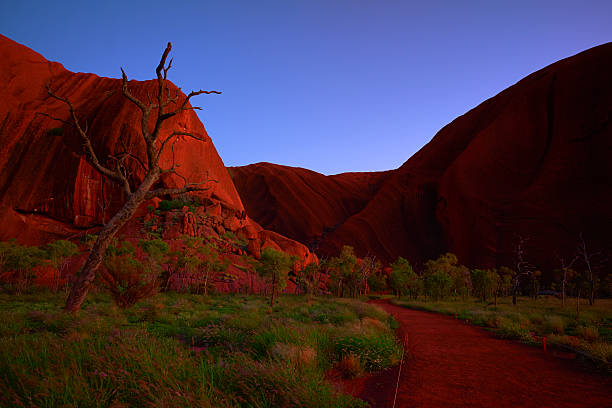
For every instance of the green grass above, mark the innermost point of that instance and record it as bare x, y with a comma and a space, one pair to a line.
186, 350
529, 319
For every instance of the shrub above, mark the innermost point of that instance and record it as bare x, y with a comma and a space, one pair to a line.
299, 356
554, 324
126, 277
17, 263
169, 205
588, 333
374, 351
509, 329
571, 341
350, 366
600, 350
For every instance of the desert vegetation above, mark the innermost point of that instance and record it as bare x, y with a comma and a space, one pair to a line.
516, 305
177, 349
156, 330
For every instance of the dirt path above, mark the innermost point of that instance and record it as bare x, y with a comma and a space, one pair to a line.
452, 364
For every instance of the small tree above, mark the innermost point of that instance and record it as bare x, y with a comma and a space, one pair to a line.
309, 280
18, 262
462, 281
523, 267
485, 283
343, 274
579, 284
274, 266
377, 281
587, 256
210, 264
437, 278
566, 270
366, 267
403, 279
505, 282
128, 278
156, 141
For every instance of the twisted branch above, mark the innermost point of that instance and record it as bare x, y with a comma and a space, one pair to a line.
90, 154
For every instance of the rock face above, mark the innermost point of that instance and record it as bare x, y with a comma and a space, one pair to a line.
302, 204
49, 191
532, 161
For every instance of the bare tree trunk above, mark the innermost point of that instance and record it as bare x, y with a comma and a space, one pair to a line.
514, 290
586, 256
206, 282
563, 289
273, 290
88, 273
578, 305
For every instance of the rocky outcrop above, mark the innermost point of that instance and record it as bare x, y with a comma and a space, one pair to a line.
47, 188
302, 204
533, 161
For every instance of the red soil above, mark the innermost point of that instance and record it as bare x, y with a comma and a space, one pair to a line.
451, 364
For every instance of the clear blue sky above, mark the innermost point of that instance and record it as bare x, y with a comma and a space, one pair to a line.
330, 85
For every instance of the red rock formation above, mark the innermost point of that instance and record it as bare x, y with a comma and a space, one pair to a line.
302, 204
48, 190
531, 161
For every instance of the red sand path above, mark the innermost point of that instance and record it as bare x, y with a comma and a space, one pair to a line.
452, 364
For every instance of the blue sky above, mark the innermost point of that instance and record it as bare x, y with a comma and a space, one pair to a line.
332, 85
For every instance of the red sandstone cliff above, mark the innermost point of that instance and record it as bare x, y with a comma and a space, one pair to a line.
533, 161
302, 204
49, 191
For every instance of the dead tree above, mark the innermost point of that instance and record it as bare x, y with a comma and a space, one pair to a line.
565, 268
136, 194
523, 267
587, 257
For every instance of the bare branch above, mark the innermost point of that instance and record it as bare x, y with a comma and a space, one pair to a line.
168, 68
161, 79
184, 106
172, 169
172, 136
172, 191
170, 99
127, 93
65, 122
126, 152
162, 62
123, 173
92, 158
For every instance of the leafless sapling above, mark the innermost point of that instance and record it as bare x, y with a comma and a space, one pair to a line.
523, 267
587, 256
565, 268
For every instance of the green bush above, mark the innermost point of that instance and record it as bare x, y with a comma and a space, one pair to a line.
509, 329
178, 204
374, 351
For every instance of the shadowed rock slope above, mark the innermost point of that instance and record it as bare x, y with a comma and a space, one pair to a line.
302, 204
533, 161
